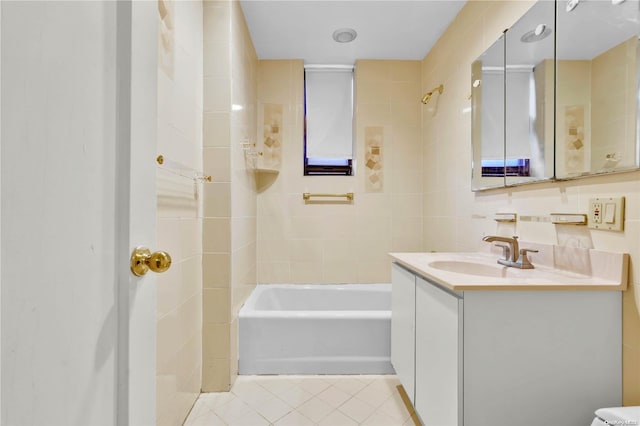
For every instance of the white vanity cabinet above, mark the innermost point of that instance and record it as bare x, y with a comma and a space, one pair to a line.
505, 357
438, 378
403, 327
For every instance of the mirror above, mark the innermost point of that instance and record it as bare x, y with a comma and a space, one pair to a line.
543, 111
487, 112
597, 87
529, 74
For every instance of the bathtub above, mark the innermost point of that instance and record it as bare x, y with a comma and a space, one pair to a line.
316, 329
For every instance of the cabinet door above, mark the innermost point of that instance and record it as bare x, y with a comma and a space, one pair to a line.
403, 326
438, 387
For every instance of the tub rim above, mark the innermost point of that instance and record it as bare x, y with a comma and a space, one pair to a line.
248, 308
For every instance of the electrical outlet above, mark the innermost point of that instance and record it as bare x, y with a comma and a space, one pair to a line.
596, 212
606, 213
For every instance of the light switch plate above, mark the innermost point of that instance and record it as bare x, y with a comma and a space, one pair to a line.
606, 213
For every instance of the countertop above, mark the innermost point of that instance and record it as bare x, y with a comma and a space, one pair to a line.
597, 271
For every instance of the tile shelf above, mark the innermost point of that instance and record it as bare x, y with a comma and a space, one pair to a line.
265, 170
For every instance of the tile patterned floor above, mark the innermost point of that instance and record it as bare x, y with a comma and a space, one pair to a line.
304, 401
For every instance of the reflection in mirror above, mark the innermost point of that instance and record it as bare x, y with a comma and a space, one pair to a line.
529, 75
597, 87
487, 118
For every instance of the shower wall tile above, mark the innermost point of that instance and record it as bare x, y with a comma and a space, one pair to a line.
374, 70
179, 212
216, 305
191, 272
217, 163
229, 237
303, 272
190, 231
216, 132
405, 71
216, 374
339, 272
217, 95
217, 199
302, 242
216, 235
216, 270
214, 64
274, 271
215, 341
338, 251
405, 92
168, 292
273, 250
233, 348
463, 217
217, 21
374, 92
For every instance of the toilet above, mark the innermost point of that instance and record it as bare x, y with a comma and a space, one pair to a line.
617, 416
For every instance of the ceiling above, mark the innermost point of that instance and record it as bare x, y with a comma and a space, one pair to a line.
391, 29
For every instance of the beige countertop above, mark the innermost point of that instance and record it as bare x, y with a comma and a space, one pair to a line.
597, 270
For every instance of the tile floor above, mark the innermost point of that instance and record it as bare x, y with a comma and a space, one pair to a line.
304, 401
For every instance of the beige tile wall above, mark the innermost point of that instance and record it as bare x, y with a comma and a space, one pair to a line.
179, 312
463, 217
216, 233
244, 82
347, 242
229, 229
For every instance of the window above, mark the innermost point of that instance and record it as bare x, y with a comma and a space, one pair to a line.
328, 111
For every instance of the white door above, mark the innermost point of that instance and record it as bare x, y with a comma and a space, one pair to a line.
78, 94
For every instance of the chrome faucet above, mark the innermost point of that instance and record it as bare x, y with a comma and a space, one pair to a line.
512, 255
510, 251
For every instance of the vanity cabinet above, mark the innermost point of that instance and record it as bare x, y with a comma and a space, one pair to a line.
438, 379
505, 357
403, 327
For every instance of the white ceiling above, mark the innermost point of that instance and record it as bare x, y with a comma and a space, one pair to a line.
391, 29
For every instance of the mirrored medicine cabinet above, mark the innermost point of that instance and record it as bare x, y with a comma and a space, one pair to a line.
556, 96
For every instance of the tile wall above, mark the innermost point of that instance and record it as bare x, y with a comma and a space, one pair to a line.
343, 242
455, 219
179, 225
229, 228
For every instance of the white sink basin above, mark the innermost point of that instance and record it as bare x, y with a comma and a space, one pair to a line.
473, 268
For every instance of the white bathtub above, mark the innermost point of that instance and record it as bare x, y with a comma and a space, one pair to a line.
316, 329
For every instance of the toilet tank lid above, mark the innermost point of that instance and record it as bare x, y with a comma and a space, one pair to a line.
620, 415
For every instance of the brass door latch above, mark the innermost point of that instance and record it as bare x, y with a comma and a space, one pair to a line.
142, 260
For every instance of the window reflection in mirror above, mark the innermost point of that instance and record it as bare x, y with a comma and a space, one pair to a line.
529, 74
487, 112
597, 87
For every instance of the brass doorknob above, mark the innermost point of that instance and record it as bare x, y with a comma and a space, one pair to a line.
142, 260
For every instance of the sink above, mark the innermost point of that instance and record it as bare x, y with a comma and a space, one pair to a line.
556, 268
471, 268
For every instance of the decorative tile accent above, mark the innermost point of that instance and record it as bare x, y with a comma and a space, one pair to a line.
166, 37
373, 159
272, 136
574, 139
